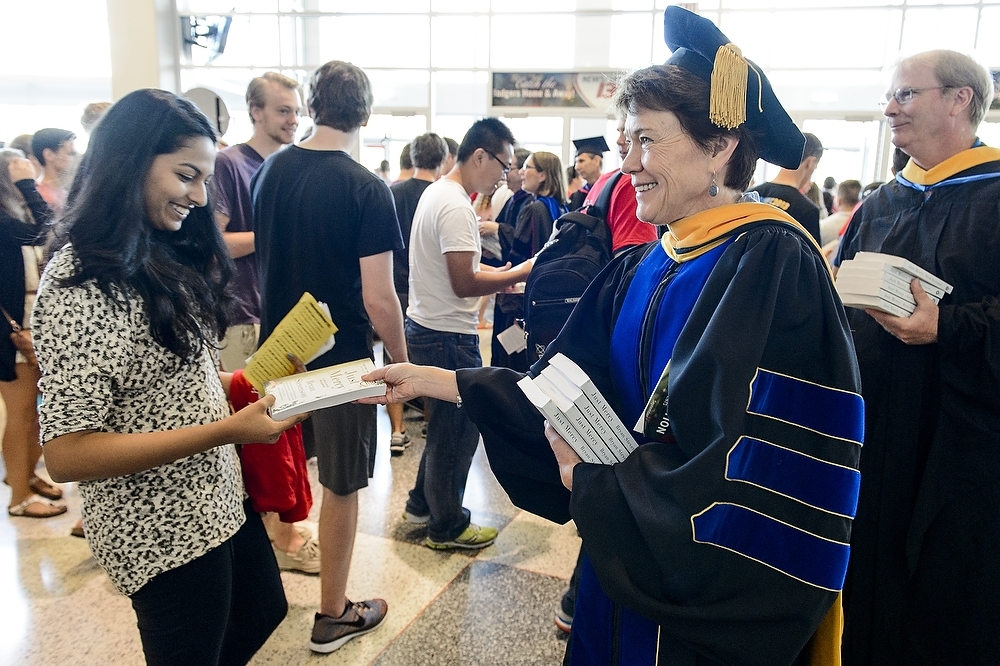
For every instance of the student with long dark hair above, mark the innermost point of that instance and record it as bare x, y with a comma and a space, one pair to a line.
128, 316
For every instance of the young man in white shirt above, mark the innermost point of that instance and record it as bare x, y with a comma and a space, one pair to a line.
446, 281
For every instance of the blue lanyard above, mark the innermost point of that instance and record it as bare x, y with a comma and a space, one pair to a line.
950, 181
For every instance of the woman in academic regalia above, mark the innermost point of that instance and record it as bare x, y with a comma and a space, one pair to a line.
723, 538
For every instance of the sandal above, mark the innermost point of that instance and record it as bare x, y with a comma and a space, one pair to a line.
44, 488
21, 510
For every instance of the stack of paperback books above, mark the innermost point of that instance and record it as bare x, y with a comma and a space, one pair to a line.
882, 282
567, 397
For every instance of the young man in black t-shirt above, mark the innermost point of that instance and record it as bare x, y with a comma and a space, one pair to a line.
326, 225
784, 191
427, 156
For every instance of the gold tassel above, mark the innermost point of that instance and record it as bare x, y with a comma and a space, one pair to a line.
728, 101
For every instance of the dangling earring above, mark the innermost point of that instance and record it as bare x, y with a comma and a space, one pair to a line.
713, 189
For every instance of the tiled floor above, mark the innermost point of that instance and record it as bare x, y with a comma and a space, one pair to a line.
492, 607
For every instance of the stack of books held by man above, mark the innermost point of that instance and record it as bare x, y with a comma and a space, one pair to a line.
567, 397
882, 282
319, 389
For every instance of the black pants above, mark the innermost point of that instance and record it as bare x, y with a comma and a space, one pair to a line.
217, 609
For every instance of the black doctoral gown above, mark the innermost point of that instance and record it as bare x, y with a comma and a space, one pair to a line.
767, 308
924, 580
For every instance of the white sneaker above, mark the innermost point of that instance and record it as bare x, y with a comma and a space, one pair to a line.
398, 443
306, 560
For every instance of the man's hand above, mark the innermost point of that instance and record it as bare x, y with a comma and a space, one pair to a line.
565, 456
921, 327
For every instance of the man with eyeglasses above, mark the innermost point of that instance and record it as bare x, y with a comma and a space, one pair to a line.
446, 281
923, 585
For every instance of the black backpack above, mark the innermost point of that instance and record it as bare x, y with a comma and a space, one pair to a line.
564, 268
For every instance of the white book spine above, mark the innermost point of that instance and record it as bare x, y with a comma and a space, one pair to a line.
850, 285
548, 409
569, 368
577, 419
600, 424
900, 276
873, 302
904, 265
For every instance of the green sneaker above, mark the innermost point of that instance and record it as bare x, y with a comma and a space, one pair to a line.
473, 538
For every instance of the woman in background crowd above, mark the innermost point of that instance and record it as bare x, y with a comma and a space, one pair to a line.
541, 177
24, 218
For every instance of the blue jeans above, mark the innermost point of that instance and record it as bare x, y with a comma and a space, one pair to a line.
451, 436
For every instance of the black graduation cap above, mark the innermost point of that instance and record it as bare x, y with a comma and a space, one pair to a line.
740, 91
595, 145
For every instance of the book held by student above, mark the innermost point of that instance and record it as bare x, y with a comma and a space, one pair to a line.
307, 331
318, 389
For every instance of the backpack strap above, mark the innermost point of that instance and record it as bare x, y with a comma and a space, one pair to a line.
599, 208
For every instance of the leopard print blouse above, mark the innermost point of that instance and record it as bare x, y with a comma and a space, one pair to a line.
102, 370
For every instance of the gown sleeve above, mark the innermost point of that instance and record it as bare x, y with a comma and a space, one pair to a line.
513, 430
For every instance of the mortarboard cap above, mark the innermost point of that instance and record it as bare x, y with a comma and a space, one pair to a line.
740, 91
595, 145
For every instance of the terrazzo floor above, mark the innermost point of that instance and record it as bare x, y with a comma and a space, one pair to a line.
495, 606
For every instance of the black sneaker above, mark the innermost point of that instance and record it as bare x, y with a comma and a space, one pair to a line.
330, 633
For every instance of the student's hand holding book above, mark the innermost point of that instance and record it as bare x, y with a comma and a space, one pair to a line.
250, 420
253, 424
405, 381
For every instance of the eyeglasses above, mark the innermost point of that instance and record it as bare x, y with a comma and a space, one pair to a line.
532, 166
905, 95
506, 167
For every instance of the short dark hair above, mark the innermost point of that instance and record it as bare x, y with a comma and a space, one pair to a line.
520, 154
490, 134
849, 192
813, 147
675, 89
405, 161
829, 183
51, 138
428, 151
340, 96
452, 145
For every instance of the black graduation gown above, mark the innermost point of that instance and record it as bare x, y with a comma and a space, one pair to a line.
769, 303
924, 580
518, 243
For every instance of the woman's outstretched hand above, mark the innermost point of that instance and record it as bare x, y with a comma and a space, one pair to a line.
405, 381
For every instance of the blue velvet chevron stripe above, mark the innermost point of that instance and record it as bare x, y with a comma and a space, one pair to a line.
802, 555
828, 411
809, 480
